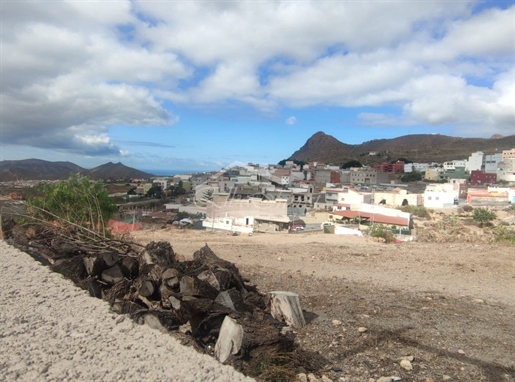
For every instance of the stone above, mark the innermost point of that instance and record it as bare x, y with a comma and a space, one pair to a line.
337, 369
362, 329
428, 379
384, 379
325, 378
302, 377
461, 351
446, 378
408, 358
336, 322
406, 365
312, 378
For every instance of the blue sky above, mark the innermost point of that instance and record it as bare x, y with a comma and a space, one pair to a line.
187, 85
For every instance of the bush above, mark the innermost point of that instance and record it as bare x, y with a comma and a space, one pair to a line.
467, 208
419, 211
504, 235
77, 201
483, 215
382, 231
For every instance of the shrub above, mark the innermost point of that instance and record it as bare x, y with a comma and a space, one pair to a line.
483, 215
467, 208
382, 231
77, 201
420, 211
504, 234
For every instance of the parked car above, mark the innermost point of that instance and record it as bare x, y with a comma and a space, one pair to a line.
297, 228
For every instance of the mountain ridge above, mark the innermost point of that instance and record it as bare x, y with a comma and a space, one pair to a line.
325, 148
39, 169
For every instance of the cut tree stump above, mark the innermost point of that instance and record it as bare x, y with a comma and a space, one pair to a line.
285, 306
230, 339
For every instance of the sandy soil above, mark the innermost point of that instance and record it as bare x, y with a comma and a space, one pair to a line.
450, 306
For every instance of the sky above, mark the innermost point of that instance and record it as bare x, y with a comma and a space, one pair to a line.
198, 85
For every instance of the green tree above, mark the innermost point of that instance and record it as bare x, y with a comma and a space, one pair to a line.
411, 177
483, 215
351, 163
155, 191
77, 201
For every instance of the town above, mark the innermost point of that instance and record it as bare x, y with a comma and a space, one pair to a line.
295, 196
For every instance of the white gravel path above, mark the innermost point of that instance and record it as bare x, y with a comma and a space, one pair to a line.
50, 330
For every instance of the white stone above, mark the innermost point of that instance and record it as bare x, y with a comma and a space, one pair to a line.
406, 365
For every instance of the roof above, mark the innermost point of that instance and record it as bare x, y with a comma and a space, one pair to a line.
373, 218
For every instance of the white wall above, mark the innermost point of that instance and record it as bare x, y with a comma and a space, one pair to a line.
438, 199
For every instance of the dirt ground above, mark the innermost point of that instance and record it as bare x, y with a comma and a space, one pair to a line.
449, 306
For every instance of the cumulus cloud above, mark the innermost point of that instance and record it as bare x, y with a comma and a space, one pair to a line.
291, 121
73, 71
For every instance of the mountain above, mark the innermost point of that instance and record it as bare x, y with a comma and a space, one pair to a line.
117, 171
417, 148
37, 169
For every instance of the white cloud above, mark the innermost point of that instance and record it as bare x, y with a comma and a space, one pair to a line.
291, 121
72, 71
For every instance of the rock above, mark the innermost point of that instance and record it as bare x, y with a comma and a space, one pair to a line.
408, 358
384, 379
461, 351
279, 258
446, 378
337, 369
312, 378
430, 379
336, 322
326, 379
396, 378
362, 329
302, 377
406, 365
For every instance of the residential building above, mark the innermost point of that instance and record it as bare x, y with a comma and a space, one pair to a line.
367, 176
491, 162
508, 154
434, 174
442, 195
475, 161
506, 170
246, 215
390, 167
282, 177
480, 178
419, 167
487, 198
397, 197
452, 165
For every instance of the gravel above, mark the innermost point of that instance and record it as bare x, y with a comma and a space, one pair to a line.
51, 330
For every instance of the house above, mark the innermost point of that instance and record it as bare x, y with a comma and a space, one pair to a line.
480, 178
367, 176
368, 217
475, 161
397, 197
246, 215
506, 169
489, 197
390, 167
441, 195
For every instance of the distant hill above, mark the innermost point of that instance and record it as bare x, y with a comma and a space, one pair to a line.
117, 171
416, 148
37, 169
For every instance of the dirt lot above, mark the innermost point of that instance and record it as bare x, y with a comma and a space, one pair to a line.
449, 306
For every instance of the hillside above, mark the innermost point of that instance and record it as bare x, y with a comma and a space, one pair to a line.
117, 171
417, 148
37, 169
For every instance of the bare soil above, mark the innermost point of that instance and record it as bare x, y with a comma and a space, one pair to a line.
451, 306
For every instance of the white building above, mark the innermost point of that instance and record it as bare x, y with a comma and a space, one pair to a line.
419, 167
491, 162
441, 195
475, 161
